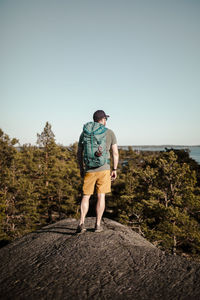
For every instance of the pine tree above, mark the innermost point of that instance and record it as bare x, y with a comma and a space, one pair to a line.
7, 174
59, 177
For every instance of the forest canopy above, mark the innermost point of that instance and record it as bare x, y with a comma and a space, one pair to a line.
157, 194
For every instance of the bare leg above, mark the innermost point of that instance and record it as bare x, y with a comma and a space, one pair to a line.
84, 207
100, 207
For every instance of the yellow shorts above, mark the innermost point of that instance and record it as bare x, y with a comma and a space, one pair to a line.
101, 179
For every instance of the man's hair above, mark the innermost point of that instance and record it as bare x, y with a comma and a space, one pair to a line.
99, 115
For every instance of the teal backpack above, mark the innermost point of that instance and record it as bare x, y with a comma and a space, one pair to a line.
94, 142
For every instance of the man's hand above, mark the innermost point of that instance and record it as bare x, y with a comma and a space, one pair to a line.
113, 175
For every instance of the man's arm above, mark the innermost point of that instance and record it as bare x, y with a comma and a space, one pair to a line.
80, 157
115, 154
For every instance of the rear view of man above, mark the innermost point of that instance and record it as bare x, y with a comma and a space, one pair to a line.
94, 161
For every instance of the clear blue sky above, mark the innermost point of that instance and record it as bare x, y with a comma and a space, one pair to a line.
139, 60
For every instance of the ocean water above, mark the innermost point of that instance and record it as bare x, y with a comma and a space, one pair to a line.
194, 151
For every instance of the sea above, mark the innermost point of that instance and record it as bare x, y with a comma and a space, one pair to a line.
194, 151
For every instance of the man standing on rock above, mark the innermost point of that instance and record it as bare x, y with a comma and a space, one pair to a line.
94, 161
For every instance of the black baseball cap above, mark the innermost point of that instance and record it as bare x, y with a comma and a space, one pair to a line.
99, 114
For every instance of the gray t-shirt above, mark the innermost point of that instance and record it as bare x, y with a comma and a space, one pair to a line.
110, 140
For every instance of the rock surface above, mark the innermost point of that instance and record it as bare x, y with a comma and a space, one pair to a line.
55, 263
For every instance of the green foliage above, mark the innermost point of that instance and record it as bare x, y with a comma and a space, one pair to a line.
160, 200
38, 184
156, 194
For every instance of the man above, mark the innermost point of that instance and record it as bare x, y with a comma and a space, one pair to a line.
94, 162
